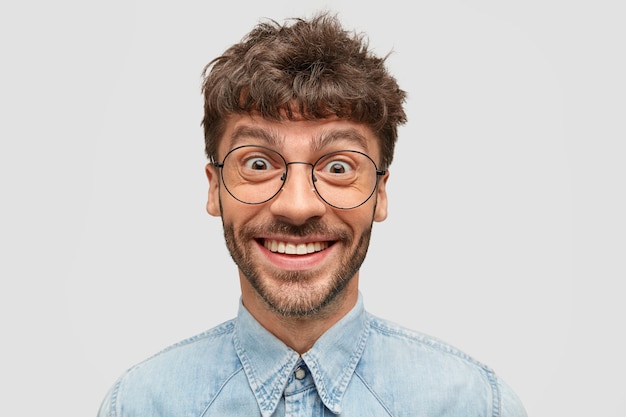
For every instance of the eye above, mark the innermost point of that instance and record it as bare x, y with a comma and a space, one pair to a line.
258, 164
337, 167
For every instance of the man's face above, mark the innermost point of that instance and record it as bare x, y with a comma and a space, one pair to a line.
297, 253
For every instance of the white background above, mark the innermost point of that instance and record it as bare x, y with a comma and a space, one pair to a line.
507, 194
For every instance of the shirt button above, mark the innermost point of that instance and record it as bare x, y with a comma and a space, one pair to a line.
300, 373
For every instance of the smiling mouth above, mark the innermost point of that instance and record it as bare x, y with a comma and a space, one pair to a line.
289, 248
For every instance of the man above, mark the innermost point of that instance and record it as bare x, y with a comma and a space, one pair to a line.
300, 125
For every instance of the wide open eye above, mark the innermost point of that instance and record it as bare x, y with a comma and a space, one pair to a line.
252, 164
337, 167
255, 158
258, 164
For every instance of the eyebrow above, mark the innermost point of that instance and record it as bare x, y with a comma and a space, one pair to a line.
350, 135
243, 133
273, 139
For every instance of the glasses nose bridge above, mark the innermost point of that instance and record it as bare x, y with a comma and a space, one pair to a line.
285, 175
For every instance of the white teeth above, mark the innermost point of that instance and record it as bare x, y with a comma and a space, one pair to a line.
293, 249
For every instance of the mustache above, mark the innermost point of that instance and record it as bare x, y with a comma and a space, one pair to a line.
288, 229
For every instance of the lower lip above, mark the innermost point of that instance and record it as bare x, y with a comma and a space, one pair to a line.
295, 262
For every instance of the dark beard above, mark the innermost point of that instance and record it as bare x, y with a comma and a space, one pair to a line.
297, 307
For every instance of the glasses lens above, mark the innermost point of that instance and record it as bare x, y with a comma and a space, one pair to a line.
345, 179
253, 174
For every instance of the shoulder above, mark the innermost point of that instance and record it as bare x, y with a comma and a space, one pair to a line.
408, 341
414, 351
194, 368
428, 370
216, 341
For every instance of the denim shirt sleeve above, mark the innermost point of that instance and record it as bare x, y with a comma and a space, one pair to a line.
104, 410
511, 404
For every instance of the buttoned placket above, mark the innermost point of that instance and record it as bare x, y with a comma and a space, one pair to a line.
301, 397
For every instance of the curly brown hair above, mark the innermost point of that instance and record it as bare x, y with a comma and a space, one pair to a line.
309, 68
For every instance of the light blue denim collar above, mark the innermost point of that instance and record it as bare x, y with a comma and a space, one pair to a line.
268, 362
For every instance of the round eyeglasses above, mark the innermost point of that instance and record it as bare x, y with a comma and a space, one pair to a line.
256, 174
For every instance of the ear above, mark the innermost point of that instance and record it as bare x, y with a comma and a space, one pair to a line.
213, 202
380, 212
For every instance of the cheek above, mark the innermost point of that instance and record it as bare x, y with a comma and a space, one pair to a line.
359, 219
237, 214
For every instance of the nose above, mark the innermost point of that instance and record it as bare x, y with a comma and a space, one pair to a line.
297, 202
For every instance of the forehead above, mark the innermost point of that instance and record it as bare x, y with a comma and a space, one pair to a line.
298, 136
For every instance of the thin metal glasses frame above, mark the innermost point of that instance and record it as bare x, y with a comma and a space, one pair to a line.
283, 178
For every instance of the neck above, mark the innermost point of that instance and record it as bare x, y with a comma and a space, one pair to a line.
299, 333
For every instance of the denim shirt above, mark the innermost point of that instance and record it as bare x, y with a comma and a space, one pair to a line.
363, 366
